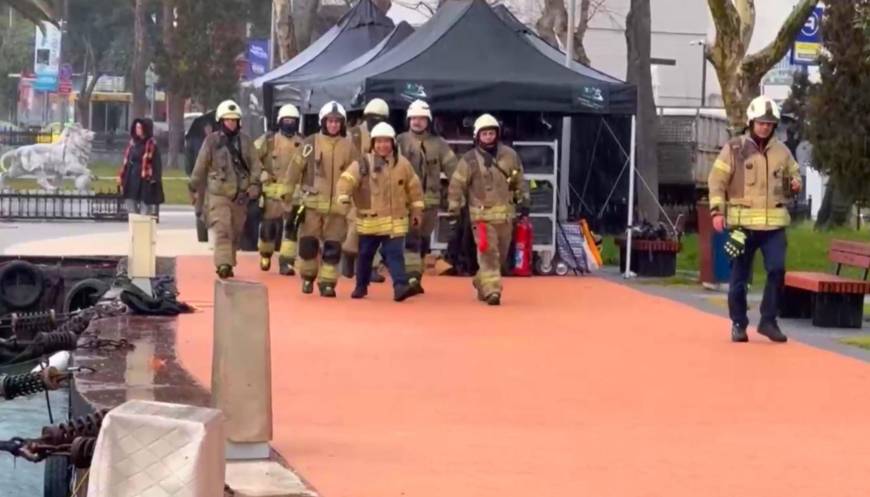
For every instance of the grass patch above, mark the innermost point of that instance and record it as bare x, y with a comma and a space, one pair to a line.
807, 251
174, 182
859, 341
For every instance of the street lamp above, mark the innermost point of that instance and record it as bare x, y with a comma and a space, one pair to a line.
703, 45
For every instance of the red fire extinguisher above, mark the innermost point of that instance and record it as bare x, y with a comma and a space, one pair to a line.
523, 237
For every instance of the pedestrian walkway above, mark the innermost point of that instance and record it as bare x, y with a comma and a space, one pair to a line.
573, 387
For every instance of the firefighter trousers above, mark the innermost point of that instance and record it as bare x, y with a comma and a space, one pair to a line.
227, 221
321, 235
495, 247
417, 244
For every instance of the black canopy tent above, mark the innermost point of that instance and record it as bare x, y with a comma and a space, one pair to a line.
360, 29
464, 58
291, 88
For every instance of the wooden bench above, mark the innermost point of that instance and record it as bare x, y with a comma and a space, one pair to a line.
830, 300
656, 258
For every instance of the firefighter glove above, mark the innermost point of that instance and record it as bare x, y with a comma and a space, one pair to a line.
736, 244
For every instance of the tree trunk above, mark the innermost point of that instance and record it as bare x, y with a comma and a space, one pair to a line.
137, 75
383, 5
284, 31
638, 39
175, 111
740, 74
553, 24
304, 14
835, 208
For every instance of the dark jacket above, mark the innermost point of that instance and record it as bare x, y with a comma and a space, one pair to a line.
142, 177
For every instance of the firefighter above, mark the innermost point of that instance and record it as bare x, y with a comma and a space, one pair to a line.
228, 169
280, 205
317, 166
376, 111
750, 185
431, 156
489, 178
386, 192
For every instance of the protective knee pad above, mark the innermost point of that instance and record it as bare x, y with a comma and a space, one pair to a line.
331, 252
268, 231
290, 228
412, 243
308, 248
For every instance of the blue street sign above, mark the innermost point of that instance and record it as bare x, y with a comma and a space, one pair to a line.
808, 42
258, 57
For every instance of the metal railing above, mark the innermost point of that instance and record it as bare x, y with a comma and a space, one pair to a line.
14, 138
61, 205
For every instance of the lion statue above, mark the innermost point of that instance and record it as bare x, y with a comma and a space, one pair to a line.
51, 163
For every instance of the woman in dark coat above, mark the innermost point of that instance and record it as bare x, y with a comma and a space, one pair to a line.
141, 175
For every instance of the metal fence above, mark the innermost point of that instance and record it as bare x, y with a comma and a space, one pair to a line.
12, 138
63, 205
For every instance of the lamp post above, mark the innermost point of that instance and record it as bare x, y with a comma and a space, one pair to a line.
703, 45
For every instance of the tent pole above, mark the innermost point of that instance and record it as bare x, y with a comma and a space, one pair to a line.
564, 172
632, 172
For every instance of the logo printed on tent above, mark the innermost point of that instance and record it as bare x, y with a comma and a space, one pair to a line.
414, 91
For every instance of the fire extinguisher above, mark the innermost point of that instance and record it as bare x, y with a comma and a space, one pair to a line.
523, 236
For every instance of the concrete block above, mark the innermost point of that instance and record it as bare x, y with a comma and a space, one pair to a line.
154, 448
241, 380
142, 256
265, 479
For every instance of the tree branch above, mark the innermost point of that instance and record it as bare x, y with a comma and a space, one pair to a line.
763, 60
746, 19
724, 15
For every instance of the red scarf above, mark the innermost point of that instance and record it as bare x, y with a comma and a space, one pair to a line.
147, 158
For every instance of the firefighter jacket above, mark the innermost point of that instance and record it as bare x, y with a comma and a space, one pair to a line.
430, 156
226, 166
750, 186
491, 186
361, 138
276, 150
384, 193
316, 166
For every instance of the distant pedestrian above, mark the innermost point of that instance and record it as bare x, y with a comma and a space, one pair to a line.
141, 174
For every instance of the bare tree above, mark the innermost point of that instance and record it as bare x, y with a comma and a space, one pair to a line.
284, 31
174, 97
304, 13
553, 24
638, 38
740, 74
137, 73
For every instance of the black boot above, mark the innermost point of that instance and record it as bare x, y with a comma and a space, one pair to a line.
348, 263
376, 277
359, 293
402, 292
285, 267
307, 287
738, 333
771, 330
327, 290
416, 286
493, 299
225, 271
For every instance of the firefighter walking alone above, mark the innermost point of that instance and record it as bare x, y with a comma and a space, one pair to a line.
228, 168
750, 185
280, 204
489, 178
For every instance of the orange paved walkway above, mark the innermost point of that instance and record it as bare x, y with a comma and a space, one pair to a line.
574, 387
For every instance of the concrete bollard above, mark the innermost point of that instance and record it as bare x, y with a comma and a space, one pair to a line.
153, 448
142, 257
241, 379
